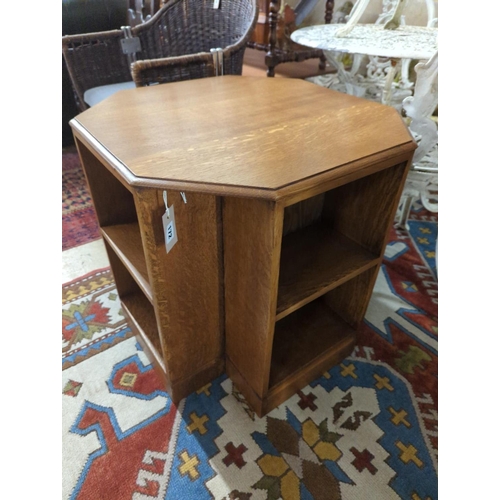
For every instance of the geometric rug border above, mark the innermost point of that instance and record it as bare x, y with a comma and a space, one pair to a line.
85, 276
100, 345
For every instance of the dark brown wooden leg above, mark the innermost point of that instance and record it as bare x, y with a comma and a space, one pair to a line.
328, 19
322, 62
329, 11
273, 22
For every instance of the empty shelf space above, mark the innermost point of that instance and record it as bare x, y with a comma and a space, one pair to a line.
141, 313
313, 261
306, 338
126, 242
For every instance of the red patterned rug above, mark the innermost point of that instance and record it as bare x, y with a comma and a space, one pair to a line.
79, 223
366, 429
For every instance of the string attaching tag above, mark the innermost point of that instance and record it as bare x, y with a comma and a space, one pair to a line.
169, 227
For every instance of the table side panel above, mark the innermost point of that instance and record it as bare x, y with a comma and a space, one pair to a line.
186, 282
252, 243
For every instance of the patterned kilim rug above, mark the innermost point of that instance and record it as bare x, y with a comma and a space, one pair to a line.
79, 223
367, 429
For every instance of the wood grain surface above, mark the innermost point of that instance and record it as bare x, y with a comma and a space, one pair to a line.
143, 334
138, 309
303, 336
303, 213
173, 301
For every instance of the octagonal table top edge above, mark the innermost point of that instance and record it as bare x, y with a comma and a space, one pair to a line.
249, 136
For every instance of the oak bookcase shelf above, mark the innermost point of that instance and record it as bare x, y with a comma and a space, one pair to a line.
126, 242
295, 308
141, 313
131, 227
280, 239
315, 260
136, 305
312, 332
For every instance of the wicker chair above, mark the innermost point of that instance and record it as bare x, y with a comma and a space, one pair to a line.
175, 44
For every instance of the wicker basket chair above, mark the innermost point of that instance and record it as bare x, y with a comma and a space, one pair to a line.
174, 45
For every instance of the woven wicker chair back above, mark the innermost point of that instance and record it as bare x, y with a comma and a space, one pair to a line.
175, 45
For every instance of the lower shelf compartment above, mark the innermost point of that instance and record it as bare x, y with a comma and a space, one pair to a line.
140, 313
308, 340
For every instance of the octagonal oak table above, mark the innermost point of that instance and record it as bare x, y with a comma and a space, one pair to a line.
282, 194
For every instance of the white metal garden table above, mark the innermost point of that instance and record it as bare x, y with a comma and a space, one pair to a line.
400, 46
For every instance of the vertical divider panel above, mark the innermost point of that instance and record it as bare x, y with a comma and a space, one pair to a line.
252, 245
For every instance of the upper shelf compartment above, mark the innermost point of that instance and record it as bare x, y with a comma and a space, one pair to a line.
333, 237
314, 260
115, 208
125, 240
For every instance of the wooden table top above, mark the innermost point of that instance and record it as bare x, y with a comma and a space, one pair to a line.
239, 133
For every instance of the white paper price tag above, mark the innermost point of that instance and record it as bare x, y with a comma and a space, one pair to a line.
169, 228
216, 4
